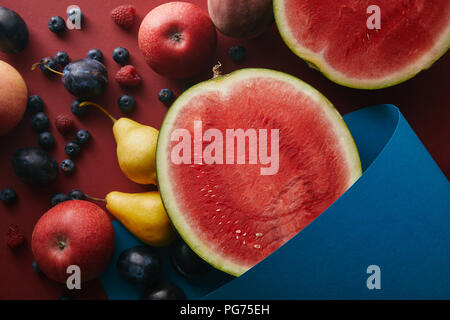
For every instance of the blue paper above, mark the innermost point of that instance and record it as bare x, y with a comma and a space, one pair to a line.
396, 216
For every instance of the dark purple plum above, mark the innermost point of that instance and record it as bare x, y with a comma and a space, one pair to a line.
140, 265
13, 31
186, 262
85, 78
34, 166
163, 291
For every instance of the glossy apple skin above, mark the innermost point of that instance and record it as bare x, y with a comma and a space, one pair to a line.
178, 40
242, 19
13, 97
73, 232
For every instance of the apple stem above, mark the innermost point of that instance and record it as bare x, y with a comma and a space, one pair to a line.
216, 70
34, 66
94, 199
90, 103
61, 245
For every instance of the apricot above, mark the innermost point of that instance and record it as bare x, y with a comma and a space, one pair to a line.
13, 97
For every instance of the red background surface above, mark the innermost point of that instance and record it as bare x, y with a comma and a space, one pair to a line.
424, 101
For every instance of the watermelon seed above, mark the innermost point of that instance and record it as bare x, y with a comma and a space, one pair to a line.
258, 234
256, 246
238, 231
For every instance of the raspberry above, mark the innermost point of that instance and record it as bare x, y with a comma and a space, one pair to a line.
128, 76
124, 15
14, 237
64, 123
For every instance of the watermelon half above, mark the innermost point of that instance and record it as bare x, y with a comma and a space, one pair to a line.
232, 215
334, 37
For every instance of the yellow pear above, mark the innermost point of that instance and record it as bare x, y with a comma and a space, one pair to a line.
136, 147
143, 214
136, 150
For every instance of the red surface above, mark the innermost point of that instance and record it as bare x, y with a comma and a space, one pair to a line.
423, 100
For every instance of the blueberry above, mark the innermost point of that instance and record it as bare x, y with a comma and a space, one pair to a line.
77, 195
56, 24
35, 104
126, 103
46, 140
165, 96
95, 54
85, 79
36, 267
62, 58
8, 196
163, 291
121, 55
50, 63
82, 136
40, 122
58, 198
76, 109
72, 149
139, 265
67, 166
237, 53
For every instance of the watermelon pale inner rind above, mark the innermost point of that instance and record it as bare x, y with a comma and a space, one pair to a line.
333, 36
230, 214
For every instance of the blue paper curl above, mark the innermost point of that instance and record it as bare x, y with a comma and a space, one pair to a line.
396, 216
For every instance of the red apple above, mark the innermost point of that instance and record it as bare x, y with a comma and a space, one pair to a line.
73, 233
177, 39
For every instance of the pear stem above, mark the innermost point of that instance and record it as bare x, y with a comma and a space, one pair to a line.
34, 66
216, 70
94, 199
90, 103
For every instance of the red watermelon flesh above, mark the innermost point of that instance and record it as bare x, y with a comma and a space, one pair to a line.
334, 36
230, 214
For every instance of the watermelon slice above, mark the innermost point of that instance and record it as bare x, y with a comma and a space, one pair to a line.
233, 215
335, 38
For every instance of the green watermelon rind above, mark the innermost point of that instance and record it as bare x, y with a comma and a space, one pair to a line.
314, 59
167, 190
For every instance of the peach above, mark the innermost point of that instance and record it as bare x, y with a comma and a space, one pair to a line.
13, 97
241, 18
